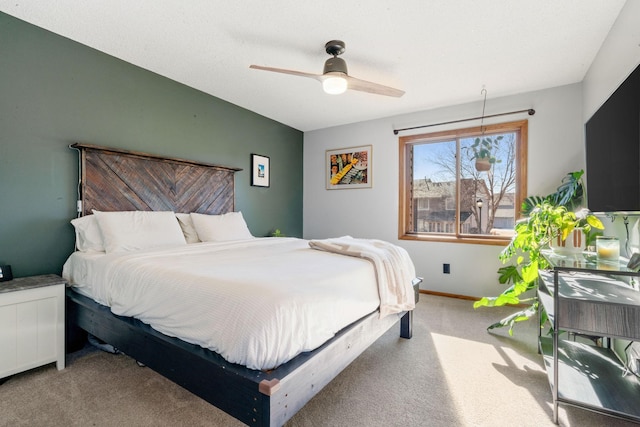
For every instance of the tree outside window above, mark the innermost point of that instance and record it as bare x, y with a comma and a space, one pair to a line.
468, 201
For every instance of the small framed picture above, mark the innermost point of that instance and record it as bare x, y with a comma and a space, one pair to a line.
259, 170
348, 168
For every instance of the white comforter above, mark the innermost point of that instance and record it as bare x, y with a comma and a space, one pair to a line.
257, 302
393, 266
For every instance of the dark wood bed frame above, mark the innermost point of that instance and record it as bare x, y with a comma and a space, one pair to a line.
114, 179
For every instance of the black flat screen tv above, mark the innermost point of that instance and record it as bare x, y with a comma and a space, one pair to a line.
613, 151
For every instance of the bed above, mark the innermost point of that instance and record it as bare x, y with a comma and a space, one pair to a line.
264, 391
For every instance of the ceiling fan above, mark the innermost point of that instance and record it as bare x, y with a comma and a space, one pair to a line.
335, 79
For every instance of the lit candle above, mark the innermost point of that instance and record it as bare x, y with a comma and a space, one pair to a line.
608, 248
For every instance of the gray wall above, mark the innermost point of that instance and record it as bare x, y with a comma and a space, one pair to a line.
373, 213
54, 92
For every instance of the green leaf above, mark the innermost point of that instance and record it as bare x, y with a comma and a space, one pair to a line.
543, 317
508, 274
483, 302
519, 316
498, 301
595, 222
530, 203
570, 192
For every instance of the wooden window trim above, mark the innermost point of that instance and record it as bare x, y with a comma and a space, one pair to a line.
405, 142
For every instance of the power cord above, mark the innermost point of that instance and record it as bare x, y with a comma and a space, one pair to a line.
79, 186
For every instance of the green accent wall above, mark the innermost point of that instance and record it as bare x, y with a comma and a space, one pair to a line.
54, 92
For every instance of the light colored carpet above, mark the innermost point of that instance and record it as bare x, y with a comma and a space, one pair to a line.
452, 373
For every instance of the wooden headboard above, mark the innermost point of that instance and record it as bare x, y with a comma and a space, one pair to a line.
120, 180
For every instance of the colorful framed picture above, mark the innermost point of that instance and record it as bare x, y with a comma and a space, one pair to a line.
260, 170
349, 168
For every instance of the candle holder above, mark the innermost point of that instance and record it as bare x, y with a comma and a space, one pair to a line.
607, 248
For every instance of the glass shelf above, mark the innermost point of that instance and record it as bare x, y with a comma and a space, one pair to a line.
588, 261
604, 388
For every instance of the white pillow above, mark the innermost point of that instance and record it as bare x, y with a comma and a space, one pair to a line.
88, 237
219, 228
134, 230
190, 233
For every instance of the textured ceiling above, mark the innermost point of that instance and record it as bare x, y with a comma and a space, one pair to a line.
441, 52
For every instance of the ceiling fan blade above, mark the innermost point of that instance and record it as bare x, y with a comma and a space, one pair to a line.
283, 71
375, 88
353, 83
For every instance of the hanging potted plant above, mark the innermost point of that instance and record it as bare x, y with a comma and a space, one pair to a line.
549, 218
481, 151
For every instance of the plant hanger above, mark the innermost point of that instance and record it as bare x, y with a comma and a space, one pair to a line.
482, 149
484, 104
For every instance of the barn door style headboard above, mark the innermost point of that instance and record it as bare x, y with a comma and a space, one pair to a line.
120, 180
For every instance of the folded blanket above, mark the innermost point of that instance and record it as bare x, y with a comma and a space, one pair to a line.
394, 269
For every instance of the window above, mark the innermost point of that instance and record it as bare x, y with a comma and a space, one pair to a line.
423, 204
467, 202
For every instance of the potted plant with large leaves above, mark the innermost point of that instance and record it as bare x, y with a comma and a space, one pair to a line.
548, 218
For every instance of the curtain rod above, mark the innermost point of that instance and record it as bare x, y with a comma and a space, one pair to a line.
530, 111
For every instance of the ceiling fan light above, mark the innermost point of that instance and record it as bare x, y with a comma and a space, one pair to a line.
334, 84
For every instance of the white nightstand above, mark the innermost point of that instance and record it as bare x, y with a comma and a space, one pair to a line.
32, 311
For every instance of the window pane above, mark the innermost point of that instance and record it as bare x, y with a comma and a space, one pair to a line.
487, 197
434, 187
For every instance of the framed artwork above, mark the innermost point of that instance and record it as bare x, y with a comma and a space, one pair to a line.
348, 168
259, 170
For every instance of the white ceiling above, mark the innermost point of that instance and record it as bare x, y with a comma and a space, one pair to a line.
441, 52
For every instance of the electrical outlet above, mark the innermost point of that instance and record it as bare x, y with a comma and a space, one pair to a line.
446, 268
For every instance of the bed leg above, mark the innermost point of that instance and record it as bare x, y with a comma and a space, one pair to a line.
406, 325
406, 322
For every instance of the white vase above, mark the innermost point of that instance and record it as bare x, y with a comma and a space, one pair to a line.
575, 243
